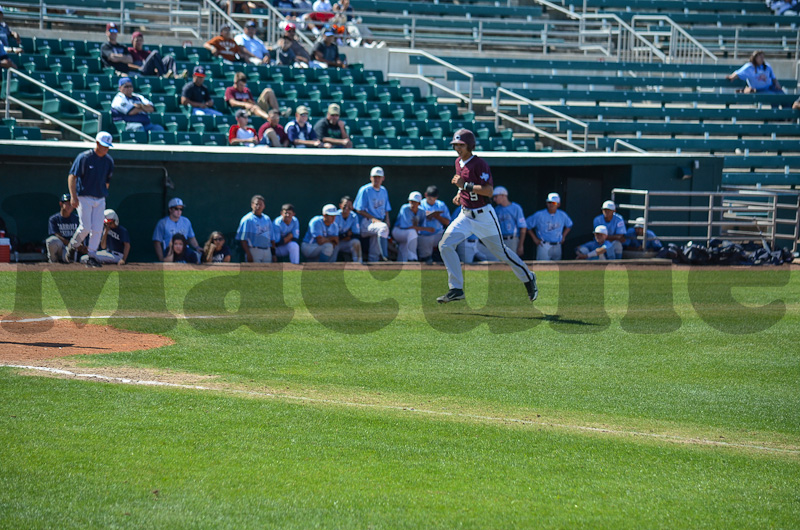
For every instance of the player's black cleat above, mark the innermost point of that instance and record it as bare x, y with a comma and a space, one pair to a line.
533, 290
451, 296
91, 262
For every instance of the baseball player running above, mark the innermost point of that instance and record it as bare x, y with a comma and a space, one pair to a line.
88, 182
473, 179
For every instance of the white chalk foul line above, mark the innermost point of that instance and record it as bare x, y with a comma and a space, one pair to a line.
494, 419
104, 317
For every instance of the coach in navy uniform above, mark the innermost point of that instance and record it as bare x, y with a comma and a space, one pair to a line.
88, 182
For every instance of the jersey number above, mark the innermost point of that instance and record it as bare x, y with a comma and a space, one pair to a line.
473, 196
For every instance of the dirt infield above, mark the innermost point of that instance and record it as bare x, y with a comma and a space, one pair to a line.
28, 341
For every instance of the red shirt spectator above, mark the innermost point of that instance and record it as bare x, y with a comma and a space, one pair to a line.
240, 133
274, 131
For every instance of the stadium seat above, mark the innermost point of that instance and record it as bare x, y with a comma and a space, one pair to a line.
189, 138
215, 139
162, 138
6, 133
27, 133
130, 137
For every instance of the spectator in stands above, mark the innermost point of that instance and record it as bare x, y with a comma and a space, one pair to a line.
548, 229
151, 62
437, 216
5, 60
239, 96
114, 54
759, 76
255, 233
287, 55
322, 6
224, 47
288, 231
173, 224
372, 206
326, 52
796, 104
322, 237
300, 132
215, 250
253, 44
331, 130
512, 225
290, 34
133, 109
615, 226
784, 7
197, 95
8, 37
60, 228
179, 252
409, 224
115, 243
633, 238
271, 133
240, 132
349, 230
600, 248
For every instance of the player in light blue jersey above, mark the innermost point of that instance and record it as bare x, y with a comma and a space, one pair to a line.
548, 229
409, 224
349, 230
256, 233
322, 237
512, 225
170, 225
287, 235
634, 237
372, 206
615, 225
437, 216
600, 248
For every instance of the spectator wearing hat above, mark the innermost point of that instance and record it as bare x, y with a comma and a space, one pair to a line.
635, 235
9, 39
224, 47
253, 44
331, 130
239, 96
5, 59
372, 206
271, 133
300, 53
437, 216
322, 236
60, 228
349, 230
300, 132
256, 233
548, 229
114, 54
599, 249
326, 52
133, 109
150, 63
197, 95
407, 227
88, 181
615, 226
115, 245
240, 133
174, 223
512, 225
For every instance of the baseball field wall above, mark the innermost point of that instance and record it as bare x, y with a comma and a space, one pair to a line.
216, 183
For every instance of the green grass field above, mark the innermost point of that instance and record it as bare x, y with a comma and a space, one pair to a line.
353, 400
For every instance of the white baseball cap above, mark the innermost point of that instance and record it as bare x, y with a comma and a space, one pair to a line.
499, 190
601, 229
415, 196
105, 139
175, 202
638, 222
376, 171
554, 197
609, 205
111, 215
330, 209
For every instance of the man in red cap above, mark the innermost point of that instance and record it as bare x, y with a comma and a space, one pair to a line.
290, 34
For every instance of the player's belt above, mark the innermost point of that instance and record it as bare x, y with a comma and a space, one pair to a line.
260, 248
471, 212
506, 238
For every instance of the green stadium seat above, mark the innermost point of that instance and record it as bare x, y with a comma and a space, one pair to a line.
201, 124
500, 144
524, 144
175, 121
382, 142
189, 138
27, 133
223, 123
405, 142
71, 81
438, 128
59, 64
431, 144
415, 128
363, 142
353, 109
87, 65
162, 138
390, 127
6, 132
33, 62
47, 46
130, 137
365, 126
215, 139
100, 82
74, 48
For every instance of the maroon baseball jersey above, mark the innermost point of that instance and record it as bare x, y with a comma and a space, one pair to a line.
476, 171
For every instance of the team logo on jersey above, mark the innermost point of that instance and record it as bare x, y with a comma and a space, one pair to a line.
484, 176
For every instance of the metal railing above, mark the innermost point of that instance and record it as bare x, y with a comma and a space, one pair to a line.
11, 99
622, 143
683, 48
741, 214
422, 77
530, 125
